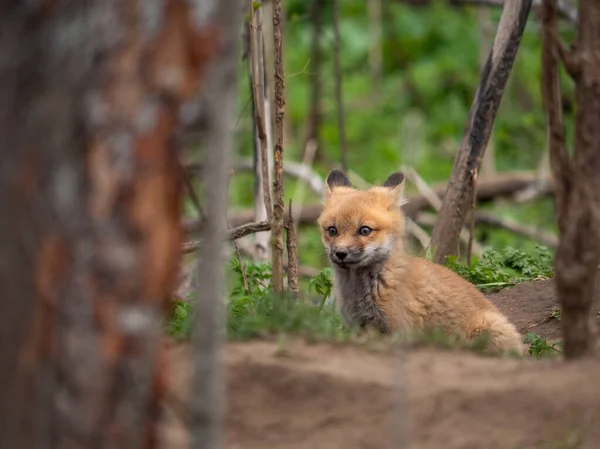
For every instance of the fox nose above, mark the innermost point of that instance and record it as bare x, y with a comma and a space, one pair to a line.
341, 254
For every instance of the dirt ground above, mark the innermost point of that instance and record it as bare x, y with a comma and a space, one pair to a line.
325, 396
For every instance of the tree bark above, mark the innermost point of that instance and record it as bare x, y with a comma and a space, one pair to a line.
89, 103
263, 208
278, 204
446, 233
577, 179
219, 105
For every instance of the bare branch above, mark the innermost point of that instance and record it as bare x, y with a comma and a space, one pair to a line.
570, 59
257, 79
309, 155
496, 186
435, 201
544, 238
417, 232
479, 126
551, 96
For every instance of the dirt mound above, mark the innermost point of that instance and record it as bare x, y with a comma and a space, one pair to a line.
331, 396
532, 307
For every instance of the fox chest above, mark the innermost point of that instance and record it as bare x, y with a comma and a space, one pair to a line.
357, 292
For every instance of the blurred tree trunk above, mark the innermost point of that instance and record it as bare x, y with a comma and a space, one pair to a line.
90, 228
375, 48
461, 187
313, 120
577, 178
219, 105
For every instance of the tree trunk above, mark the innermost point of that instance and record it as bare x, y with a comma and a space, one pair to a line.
458, 197
90, 235
577, 180
313, 120
219, 105
278, 193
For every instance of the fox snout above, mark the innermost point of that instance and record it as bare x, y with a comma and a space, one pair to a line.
344, 256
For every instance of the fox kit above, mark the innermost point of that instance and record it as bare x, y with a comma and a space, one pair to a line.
378, 284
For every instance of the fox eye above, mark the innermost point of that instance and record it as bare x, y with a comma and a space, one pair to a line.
332, 231
365, 230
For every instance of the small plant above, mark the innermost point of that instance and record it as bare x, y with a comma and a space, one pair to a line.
495, 270
180, 322
322, 284
539, 348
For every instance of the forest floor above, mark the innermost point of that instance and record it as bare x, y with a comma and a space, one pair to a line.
334, 396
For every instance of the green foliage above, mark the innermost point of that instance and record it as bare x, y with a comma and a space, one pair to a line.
256, 311
495, 270
322, 284
179, 324
540, 348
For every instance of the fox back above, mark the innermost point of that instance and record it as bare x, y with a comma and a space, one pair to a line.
378, 284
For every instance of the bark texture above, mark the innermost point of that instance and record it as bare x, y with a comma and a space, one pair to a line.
577, 179
458, 197
89, 96
278, 203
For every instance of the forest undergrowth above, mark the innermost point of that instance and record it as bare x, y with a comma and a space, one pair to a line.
253, 311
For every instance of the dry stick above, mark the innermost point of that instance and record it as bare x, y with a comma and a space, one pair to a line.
479, 126
257, 95
499, 185
577, 184
434, 200
278, 210
544, 238
303, 270
291, 168
309, 156
292, 249
261, 240
218, 98
338, 86
418, 232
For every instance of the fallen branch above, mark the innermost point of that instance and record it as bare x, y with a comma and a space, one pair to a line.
530, 232
435, 201
496, 186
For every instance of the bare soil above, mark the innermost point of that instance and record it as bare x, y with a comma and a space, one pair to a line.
325, 396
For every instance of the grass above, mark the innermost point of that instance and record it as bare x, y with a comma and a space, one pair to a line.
252, 311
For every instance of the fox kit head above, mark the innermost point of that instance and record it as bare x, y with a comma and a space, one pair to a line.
361, 227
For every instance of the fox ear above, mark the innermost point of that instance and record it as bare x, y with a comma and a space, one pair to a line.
395, 183
335, 178
395, 180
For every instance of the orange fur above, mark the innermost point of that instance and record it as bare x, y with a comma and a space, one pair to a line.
378, 284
